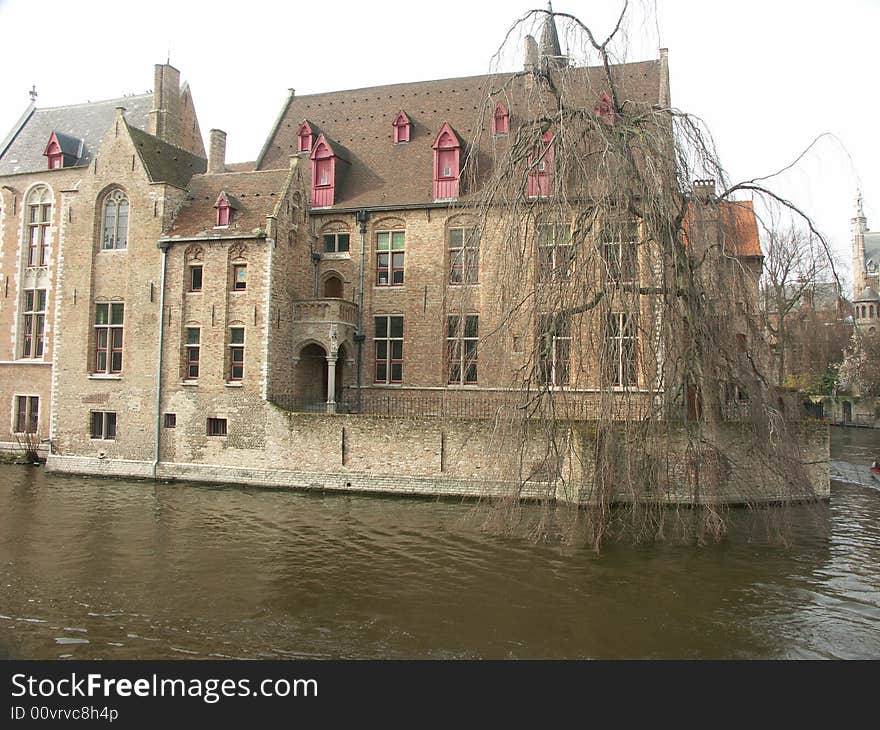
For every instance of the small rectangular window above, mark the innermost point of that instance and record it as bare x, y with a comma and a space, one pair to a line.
239, 277
103, 425
555, 253
336, 242
620, 252
464, 256
34, 323
195, 277
462, 337
216, 427
170, 420
27, 414
193, 347
236, 353
554, 350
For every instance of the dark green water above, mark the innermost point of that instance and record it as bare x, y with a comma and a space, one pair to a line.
93, 568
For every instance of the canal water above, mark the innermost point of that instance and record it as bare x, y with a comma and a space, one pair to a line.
96, 568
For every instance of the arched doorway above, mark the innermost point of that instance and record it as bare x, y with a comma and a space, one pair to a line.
333, 287
847, 412
311, 378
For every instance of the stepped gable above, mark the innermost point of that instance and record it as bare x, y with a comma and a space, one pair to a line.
88, 122
255, 194
384, 173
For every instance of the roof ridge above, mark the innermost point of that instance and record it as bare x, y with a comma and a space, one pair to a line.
90, 103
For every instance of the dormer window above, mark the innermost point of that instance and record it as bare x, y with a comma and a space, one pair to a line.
401, 127
447, 158
325, 169
63, 150
540, 184
304, 137
225, 206
501, 121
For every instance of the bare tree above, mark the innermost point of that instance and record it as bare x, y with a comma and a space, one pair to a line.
645, 387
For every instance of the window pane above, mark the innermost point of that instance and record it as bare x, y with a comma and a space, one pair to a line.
342, 242
195, 278
117, 338
116, 362
397, 276
381, 326
396, 349
382, 350
455, 237
110, 426
101, 362
396, 326
236, 335
471, 325
470, 349
192, 335
396, 372
41, 300
382, 241
101, 313
240, 276
381, 372
122, 225
452, 325
101, 337
97, 425
470, 373
329, 242
397, 240
116, 313
454, 372
29, 300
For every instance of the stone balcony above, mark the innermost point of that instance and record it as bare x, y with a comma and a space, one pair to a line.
325, 311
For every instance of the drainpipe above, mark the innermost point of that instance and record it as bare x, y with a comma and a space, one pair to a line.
164, 245
316, 259
362, 217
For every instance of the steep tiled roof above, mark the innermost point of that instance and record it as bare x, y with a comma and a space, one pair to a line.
383, 173
164, 162
255, 194
87, 122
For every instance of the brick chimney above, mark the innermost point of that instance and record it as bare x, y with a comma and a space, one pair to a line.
217, 152
704, 190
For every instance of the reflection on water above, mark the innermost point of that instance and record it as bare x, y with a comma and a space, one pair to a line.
95, 568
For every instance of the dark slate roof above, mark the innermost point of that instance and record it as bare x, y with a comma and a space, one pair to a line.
88, 122
69, 144
255, 195
872, 248
868, 295
825, 295
384, 173
164, 162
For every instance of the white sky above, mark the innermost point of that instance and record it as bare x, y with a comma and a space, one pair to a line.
767, 76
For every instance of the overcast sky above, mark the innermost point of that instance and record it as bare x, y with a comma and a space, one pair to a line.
767, 76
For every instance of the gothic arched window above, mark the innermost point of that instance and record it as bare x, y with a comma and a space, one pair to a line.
114, 227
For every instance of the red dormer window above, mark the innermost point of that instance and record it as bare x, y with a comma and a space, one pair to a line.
225, 210
501, 123
604, 109
402, 126
323, 174
54, 153
304, 137
447, 157
541, 168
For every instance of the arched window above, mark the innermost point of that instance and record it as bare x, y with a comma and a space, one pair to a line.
39, 215
114, 231
871, 311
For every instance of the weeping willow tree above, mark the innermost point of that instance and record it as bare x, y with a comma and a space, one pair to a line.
624, 325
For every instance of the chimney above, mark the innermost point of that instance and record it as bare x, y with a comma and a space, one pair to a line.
165, 115
664, 99
530, 61
217, 152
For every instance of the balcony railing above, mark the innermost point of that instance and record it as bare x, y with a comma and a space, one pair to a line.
325, 310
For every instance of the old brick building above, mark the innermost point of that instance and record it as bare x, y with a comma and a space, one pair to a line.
187, 317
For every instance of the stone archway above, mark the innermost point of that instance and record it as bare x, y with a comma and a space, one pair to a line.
333, 287
310, 378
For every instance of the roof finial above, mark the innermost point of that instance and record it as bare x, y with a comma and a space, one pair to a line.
33, 94
860, 213
549, 38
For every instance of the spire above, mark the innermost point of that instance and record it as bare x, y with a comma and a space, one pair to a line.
860, 213
549, 38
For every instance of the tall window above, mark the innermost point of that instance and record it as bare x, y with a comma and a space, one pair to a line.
39, 217
540, 182
108, 337
27, 414
239, 277
554, 350
620, 252
34, 322
390, 247
193, 347
236, 353
336, 242
103, 425
554, 253
462, 336
621, 341
115, 227
464, 256
195, 277
389, 349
